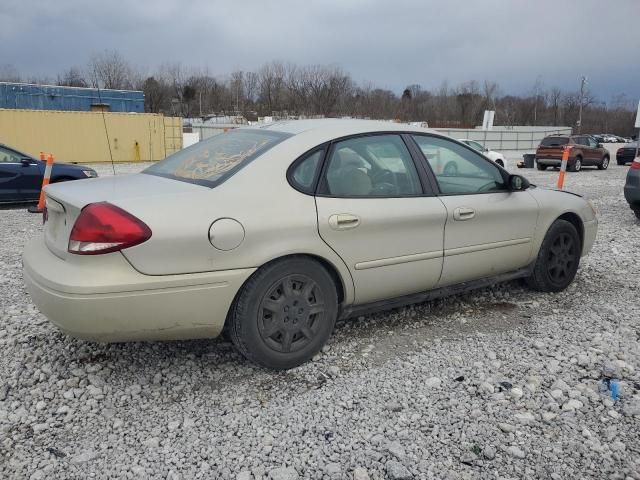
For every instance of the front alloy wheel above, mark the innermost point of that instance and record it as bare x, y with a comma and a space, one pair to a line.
558, 258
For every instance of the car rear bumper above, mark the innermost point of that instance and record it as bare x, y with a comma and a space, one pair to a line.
626, 157
549, 162
103, 298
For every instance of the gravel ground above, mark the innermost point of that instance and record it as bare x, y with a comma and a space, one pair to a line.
499, 383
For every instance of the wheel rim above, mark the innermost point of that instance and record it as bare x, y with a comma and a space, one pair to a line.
450, 169
578, 164
291, 313
605, 163
562, 258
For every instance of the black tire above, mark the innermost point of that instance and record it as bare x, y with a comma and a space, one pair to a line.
604, 164
576, 166
620, 162
558, 258
541, 167
637, 212
450, 169
263, 324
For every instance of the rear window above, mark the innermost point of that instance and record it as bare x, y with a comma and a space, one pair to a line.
210, 162
554, 141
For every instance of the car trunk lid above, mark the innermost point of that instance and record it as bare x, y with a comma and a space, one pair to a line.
65, 201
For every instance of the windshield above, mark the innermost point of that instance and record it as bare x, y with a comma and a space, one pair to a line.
475, 145
212, 161
554, 141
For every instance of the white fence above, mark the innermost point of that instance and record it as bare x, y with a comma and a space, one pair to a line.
506, 138
500, 138
211, 130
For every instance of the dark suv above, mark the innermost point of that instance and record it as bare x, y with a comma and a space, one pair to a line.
584, 150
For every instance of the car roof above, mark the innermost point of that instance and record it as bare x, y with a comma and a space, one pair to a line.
346, 126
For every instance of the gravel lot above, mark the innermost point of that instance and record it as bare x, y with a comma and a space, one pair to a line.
500, 383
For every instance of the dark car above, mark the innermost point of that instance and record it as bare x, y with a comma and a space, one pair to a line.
584, 150
626, 154
21, 175
632, 187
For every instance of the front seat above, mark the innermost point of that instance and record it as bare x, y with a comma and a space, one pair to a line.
350, 177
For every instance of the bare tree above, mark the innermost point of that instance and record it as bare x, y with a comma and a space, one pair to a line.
9, 73
109, 69
72, 77
555, 98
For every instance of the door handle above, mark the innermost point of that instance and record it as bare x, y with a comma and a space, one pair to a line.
343, 221
463, 213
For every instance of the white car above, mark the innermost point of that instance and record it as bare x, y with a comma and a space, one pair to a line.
275, 232
490, 154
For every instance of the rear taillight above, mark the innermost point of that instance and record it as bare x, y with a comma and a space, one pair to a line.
103, 228
636, 164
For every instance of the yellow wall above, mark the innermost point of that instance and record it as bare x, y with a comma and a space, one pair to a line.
80, 136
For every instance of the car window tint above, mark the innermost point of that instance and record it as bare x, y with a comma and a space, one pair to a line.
7, 156
592, 142
371, 166
554, 141
476, 146
304, 172
458, 169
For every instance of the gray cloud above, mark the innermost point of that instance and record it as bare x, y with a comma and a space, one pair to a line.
391, 44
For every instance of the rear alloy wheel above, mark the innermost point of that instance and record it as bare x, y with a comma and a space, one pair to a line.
285, 313
605, 164
577, 165
450, 169
558, 258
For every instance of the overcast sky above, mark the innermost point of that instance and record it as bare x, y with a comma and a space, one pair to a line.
391, 43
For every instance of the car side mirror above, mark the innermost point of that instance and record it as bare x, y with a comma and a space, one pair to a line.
518, 183
25, 162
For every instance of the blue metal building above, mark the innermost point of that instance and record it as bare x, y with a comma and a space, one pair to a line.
49, 97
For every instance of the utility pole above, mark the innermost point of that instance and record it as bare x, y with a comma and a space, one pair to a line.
583, 84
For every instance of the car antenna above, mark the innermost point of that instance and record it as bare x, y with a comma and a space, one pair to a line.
104, 122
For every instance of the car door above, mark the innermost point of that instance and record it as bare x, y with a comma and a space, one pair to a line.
583, 145
10, 175
489, 229
375, 209
595, 151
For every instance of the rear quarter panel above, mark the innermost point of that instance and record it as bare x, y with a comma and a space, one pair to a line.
277, 220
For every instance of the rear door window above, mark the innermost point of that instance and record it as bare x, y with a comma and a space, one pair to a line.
371, 166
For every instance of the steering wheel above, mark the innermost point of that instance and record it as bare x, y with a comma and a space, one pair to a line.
384, 188
381, 176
